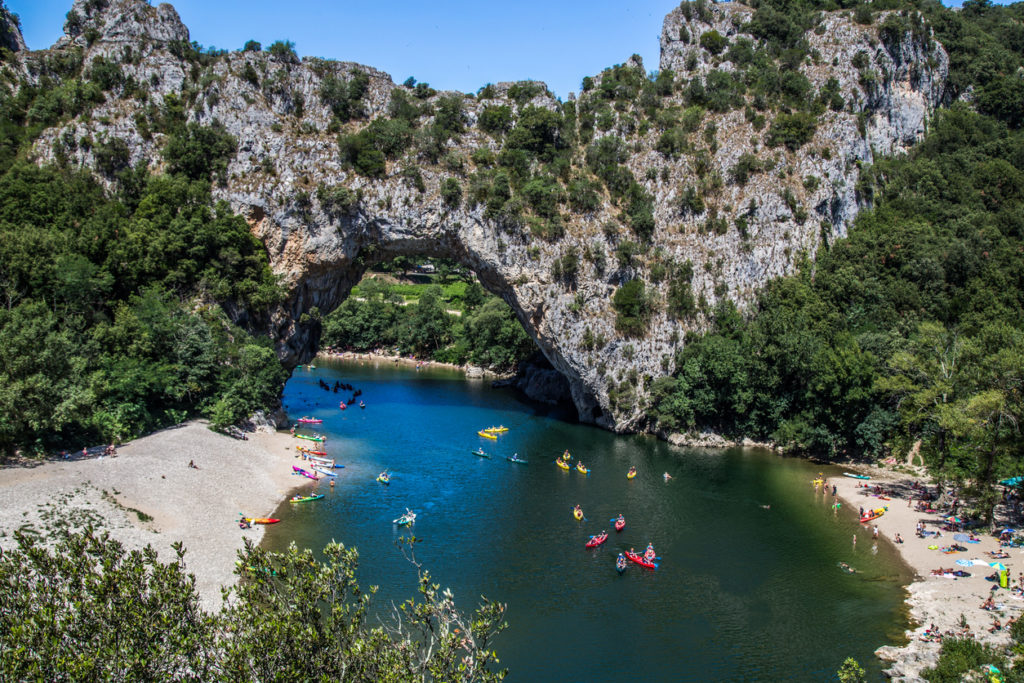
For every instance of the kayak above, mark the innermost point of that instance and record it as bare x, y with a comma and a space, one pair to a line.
384, 478
620, 563
261, 520
342, 405
306, 499
299, 470
309, 421
488, 436
818, 482
577, 513
406, 519
325, 472
631, 473
512, 458
597, 540
311, 438
496, 430
640, 561
581, 469
873, 514
561, 464
567, 456
620, 524
856, 476
322, 461
310, 451
480, 454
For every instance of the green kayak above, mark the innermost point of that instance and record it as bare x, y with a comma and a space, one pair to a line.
306, 499
311, 438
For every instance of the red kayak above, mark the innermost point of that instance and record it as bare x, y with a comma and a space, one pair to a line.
342, 405
597, 540
641, 561
620, 524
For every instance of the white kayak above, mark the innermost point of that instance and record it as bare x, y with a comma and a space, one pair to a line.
324, 472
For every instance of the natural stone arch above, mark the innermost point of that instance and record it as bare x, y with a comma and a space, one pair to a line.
327, 284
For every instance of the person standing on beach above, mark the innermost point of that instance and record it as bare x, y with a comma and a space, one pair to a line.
834, 490
874, 532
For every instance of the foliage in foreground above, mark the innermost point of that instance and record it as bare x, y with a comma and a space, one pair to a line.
87, 609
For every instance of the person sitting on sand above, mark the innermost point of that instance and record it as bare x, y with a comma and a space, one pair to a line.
989, 604
996, 626
898, 539
192, 464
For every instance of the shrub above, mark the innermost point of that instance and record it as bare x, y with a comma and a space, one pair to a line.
583, 195
713, 41
283, 51
496, 119
344, 98
451, 193
632, 309
252, 46
199, 151
791, 130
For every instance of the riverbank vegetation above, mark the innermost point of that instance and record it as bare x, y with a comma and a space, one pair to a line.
87, 609
437, 318
113, 320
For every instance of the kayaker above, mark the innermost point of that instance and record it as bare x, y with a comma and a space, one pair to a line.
667, 476
649, 553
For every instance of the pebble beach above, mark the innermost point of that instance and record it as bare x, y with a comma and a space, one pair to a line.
933, 600
148, 495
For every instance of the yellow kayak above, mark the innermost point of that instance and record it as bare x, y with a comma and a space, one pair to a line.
581, 468
631, 473
496, 430
818, 482
577, 513
567, 456
488, 436
561, 464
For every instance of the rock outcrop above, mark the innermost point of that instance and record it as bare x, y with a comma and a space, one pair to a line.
10, 32
288, 164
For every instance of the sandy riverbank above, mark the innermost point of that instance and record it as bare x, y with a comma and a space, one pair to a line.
199, 507
472, 371
933, 600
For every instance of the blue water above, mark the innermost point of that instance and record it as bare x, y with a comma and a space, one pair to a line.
742, 592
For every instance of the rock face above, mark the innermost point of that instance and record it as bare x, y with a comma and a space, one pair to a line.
288, 149
10, 33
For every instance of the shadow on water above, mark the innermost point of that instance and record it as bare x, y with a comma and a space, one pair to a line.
749, 586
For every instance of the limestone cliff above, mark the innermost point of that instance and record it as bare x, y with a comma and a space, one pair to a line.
749, 226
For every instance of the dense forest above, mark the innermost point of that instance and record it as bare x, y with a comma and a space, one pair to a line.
113, 321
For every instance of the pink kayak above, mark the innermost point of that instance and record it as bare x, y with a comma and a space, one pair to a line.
299, 470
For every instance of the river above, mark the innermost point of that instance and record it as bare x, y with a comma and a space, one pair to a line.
748, 587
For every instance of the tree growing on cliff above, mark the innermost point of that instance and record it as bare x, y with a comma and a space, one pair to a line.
633, 309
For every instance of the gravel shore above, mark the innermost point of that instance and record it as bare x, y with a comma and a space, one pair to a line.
147, 494
932, 599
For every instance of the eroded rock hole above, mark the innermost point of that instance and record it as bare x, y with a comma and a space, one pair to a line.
437, 309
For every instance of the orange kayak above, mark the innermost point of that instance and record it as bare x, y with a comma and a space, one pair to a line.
261, 520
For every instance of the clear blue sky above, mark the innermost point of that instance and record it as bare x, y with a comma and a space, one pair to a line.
451, 45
